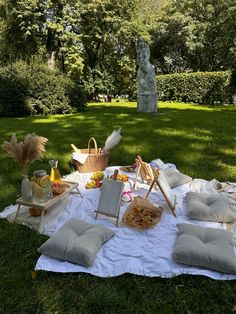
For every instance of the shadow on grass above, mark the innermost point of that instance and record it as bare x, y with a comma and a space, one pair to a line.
199, 140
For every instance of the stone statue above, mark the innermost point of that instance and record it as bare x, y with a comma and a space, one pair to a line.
146, 80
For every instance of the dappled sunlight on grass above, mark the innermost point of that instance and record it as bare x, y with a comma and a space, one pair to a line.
200, 140
174, 134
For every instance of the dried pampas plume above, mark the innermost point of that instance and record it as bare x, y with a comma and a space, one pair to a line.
112, 140
26, 152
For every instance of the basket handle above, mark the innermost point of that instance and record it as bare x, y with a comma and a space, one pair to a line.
95, 145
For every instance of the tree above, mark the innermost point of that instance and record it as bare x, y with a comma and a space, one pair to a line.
22, 27
213, 32
195, 35
109, 30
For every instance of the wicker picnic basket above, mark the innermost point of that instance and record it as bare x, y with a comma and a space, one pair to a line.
96, 160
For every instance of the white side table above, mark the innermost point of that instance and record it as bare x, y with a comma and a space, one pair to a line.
43, 206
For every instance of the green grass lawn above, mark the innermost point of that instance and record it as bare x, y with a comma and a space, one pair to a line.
199, 140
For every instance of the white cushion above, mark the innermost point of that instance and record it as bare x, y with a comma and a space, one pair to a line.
77, 241
205, 247
210, 207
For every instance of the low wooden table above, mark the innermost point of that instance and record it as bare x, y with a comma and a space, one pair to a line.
45, 205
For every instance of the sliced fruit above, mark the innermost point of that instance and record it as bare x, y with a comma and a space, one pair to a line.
37, 190
92, 184
121, 177
44, 181
97, 175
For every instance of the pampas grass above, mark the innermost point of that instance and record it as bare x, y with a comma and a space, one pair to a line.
112, 140
26, 152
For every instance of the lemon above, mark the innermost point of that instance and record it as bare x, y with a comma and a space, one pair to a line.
44, 181
37, 190
33, 179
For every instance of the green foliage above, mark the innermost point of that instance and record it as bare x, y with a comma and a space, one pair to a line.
63, 34
31, 89
199, 87
212, 27
94, 40
22, 30
109, 30
195, 35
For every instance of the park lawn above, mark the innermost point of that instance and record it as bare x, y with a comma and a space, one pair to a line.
199, 140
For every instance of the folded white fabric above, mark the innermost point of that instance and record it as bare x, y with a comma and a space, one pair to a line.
205, 247
158, 163
210, 207
79, 157
201, 185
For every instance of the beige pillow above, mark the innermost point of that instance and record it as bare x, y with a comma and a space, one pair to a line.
210, 207
205, 247
77, 241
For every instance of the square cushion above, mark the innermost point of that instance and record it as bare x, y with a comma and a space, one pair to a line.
77, 241
175, 178
205, 247
209, 206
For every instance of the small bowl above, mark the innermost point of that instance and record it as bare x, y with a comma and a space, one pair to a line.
39, 173
35, 212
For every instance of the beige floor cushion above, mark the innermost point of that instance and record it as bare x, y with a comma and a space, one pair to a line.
77, 241
210, 207
205, 247
175, 178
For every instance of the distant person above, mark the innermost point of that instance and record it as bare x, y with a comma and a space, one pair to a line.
109, 98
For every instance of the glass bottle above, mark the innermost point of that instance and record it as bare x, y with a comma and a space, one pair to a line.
55, 175
26, 191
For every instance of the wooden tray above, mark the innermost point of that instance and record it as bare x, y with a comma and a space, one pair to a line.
50, 201
142, 214
29, 219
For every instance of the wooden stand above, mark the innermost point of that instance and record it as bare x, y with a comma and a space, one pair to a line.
43, 206
144, 171
165, 189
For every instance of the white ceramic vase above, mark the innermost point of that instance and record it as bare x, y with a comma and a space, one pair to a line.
26, 191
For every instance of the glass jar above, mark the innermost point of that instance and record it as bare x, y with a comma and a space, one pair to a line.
41, 186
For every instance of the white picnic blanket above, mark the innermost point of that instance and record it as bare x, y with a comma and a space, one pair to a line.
146, 253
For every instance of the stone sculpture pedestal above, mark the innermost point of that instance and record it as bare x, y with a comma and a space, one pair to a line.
147, 103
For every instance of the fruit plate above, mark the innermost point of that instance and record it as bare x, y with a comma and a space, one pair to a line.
129, 169
142, 214
59, 188
120, 177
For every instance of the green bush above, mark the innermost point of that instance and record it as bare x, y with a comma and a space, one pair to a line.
32, 89
198, 87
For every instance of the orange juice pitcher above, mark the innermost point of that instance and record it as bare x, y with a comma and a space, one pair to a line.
55, 175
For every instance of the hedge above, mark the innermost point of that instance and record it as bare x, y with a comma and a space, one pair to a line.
32, 89
199, 87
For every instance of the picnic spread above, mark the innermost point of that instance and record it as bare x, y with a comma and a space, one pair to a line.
147, 219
